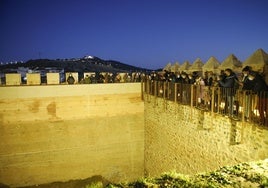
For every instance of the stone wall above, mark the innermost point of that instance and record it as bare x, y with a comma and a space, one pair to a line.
190, 141
64, 132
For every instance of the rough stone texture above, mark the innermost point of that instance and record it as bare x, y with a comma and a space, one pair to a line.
64, 132
190, 141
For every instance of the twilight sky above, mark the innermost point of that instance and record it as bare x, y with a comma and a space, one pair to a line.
144, 33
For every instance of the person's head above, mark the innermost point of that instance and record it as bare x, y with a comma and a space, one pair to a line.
210, 73
246, 70
183, 75
252, 75
228, 72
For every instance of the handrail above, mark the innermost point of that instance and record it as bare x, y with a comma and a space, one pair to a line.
240, 105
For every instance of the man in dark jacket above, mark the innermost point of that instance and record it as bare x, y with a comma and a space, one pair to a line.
230, 79
246, 83
228, 90
261, 89
247, 86
258, 82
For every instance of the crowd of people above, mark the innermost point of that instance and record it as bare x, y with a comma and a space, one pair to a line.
94, 78
228, 83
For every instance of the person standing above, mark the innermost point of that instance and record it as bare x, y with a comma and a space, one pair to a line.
261, 89
70, 79
228, 90
247, 86
87, 79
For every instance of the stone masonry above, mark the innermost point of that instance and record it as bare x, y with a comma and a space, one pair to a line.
190, 141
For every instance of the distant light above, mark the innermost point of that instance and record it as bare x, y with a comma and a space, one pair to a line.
88, 57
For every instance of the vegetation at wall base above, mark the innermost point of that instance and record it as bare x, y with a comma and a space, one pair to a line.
253, 174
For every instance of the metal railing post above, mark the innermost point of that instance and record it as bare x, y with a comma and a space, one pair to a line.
155, 88
168, 88
192, 95
142, 90
164, 90
212, 100
175, 92
219, 99
243, 106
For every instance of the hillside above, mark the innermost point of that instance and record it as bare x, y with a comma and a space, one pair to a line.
85, 64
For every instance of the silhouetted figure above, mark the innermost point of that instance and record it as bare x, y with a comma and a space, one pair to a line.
228, 90
261, 89
247, 86
87, 79
70, 79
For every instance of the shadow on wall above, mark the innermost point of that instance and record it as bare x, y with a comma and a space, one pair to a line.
97, 180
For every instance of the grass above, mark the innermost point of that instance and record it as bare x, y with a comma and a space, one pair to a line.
254, 174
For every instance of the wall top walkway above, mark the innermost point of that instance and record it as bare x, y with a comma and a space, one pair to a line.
15, 92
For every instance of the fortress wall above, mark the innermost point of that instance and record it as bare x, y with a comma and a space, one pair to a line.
63, 132
190, 141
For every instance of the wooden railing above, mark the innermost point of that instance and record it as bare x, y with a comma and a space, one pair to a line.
237, 104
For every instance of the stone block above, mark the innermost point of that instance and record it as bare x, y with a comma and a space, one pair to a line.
13, 79
33, 78
53, 78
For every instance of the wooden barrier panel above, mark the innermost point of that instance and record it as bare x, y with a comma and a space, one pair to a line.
13, 79
33, 78
53, 78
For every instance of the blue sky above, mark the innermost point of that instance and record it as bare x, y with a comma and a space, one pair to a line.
144, 33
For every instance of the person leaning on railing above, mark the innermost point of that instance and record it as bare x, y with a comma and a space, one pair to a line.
228, 85
246, 83
247, 86
261, 89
